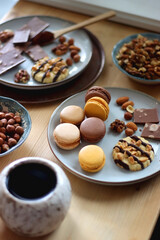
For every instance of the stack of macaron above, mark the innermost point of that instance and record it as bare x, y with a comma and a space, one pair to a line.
88, 124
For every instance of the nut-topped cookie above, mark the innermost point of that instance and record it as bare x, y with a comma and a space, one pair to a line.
133, 153
50, 70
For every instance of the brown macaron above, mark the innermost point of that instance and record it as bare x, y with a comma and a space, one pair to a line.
92, 129
97, 91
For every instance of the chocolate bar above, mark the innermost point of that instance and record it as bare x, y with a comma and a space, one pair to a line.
151, 130
143, 115
21, 36
10, 59
35, 25
36, 52
9, 46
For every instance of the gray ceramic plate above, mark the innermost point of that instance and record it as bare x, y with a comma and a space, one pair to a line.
111, 174
117, 47
82, 40
10, 105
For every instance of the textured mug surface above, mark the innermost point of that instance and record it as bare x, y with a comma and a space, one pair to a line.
39, 216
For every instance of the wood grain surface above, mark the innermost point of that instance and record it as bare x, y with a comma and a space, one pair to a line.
97, 212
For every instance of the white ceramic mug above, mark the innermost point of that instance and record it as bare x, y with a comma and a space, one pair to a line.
35, 196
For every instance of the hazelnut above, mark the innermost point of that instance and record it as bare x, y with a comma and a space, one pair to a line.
16, 137
9, 115
128, 115
129, 131
62, 39
73, 53
76, 58
4, 121
71, 41
1, 141
12, 142
11, 121
5, 147
2, 135
10, 128
19, 130
69, 61
17, 119
2, 115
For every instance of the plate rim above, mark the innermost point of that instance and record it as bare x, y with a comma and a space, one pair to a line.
47, 85
119, 44
87, 178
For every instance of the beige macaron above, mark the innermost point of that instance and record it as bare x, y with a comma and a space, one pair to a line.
72, 114
67, 136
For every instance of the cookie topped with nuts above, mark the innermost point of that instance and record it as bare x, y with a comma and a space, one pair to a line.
133, 153
50, 70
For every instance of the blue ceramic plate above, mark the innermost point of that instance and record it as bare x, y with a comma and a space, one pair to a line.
111, 174
10, 105
126, 40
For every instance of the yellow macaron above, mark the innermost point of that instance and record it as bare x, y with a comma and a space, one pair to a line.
97, 107
92, 158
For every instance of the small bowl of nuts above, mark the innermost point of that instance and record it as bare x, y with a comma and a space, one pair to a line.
138, 56
15, 125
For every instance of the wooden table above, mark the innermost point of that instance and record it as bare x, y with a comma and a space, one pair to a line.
97, 212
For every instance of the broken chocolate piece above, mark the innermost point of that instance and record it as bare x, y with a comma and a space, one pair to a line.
10, 59
21, 36
151, 130
146, 115
9, 46
35, 25
36, 52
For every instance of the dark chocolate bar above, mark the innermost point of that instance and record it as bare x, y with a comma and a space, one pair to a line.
151, 130
35, 25
10, 59
143, 115
36, 52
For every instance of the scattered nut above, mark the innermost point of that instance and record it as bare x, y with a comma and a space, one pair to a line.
124, 105
69, 61
130, 109
117, 126
129, 131
132, 125
122, 100
128, 115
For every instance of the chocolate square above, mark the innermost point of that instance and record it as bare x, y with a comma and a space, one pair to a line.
35, 25
10, 59
21, 36
151, 130
142, 115
36, 52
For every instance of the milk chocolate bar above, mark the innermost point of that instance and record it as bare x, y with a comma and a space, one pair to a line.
36, 52
142, 115
151, 130
21, 36
9, 46
10, 59
35, 25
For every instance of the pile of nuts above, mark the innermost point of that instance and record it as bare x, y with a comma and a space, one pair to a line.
66, 46
141, 57
119, 126
5, 35
10, 130
22, 76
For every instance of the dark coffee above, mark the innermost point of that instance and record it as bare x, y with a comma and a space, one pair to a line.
31, 181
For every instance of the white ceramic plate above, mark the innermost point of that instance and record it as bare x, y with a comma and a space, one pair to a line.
128, 39
111, 174
82, 40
